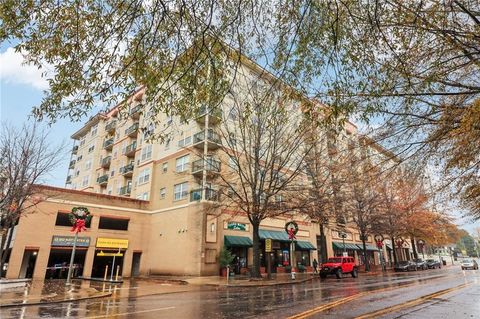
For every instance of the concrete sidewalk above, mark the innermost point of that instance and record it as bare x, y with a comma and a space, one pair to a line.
49, 291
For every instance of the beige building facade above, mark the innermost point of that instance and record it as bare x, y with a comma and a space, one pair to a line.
151, 202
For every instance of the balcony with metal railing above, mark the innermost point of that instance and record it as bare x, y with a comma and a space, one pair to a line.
213, 140
106, 162
69, 179
108, 144
75, 149
125, 190
135, 111
127, 170
110, 127
212, 167
103, 180
210, 195
130, 149
214, 115
132, 130
72, 164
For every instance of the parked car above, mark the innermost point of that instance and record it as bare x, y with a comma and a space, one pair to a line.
469, 264
405, 266
432, 264
338, 266
421, 264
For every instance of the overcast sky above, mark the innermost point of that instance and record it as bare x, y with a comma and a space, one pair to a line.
21, 88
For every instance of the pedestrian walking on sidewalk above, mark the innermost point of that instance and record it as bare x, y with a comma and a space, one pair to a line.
315, 264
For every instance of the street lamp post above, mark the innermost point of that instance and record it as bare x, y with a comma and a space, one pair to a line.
379, 240
79, 218
343, 236
421, 243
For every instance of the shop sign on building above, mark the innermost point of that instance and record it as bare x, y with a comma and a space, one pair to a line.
112, 243
103, 254
268, 245
236, 226
67, 241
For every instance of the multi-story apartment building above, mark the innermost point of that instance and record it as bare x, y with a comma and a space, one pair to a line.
166, 186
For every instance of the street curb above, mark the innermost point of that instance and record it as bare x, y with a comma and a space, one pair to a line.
101, 295
293, 282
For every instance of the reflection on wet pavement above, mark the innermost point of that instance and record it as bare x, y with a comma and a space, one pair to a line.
134, 300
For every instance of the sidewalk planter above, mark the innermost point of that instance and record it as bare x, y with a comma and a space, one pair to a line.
243, 271
288, 269
223, 272
309, 268
263, 270
301, 268
280, 270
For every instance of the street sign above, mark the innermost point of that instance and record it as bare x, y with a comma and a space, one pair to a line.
268, 245
102, 254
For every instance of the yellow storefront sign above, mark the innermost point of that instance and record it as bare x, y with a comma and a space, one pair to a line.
112, 243
268, 245
102, 254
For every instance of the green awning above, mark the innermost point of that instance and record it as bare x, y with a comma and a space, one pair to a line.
305, 245
369, 247
273, 234
238, 241
339, 245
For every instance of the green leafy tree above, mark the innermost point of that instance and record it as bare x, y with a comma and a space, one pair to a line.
225, 258
411, 66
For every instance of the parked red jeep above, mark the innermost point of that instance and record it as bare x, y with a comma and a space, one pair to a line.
338, 266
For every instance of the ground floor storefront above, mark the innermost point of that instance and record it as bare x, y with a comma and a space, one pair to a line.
279, 254
356, 250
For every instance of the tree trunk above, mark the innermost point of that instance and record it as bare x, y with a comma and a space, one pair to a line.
323, 249
415, 253
7, 245
395, 259
367, 264
3, 234
256, 251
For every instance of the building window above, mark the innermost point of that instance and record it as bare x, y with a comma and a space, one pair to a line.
88, 164
63, 219
94, 130
165, 167
144, 176
79, 158
163, 192
185, 141
85, 181
91, 148
180, 191
113, 223
146, 152
143, 196
181, 164
82, 140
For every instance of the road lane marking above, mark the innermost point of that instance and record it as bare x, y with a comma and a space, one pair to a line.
128, 313
341, 301
411, 303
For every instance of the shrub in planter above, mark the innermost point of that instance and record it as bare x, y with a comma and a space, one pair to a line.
225, 258
301, 268
288, 269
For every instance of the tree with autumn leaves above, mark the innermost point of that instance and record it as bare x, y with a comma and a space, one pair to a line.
405, 212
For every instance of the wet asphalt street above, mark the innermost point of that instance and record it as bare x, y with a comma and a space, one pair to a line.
440, 293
